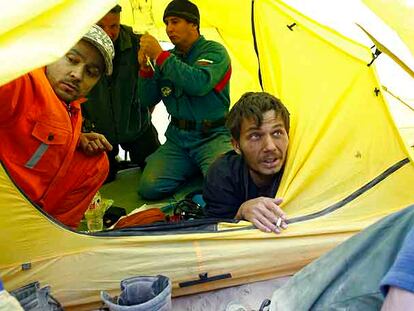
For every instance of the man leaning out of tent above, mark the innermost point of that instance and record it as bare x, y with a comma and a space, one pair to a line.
243, 183
42, 147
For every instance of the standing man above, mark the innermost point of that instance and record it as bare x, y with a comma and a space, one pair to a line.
243, 183
113, 108
42, 148
193, 82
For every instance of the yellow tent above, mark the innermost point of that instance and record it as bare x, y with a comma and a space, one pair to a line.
399, 15
347, 164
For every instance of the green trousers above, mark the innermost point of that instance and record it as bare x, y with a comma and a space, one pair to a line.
184, 154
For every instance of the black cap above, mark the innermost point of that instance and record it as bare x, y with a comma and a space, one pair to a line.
184, 9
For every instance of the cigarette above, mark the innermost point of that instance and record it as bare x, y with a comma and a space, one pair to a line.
279, 222
150, 63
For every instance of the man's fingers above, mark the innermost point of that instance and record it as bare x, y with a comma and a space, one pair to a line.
275, 209
261, 226
145, 41
267, 219
150, 46
141, 57
268, 213
275, 219
265, 223
264, 213
92, 145
280, 213
103, 144
269, 226
98, 141
106, 144
280, 223
277, 201
99, 144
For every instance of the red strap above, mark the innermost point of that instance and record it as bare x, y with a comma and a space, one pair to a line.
146, 73
162, 57
220, 86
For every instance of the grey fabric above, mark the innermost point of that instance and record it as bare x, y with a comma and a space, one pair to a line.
33, 298
348, 277
141, 293
37, 155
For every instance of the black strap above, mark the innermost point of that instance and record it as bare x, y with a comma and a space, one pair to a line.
191, 125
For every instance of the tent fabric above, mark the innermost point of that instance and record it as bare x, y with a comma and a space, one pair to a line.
348, 277
398, 14
34, 33
382, 48
347, 167
77, 266
327, 86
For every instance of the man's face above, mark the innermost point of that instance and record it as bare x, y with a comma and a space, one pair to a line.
180, 31
263, 148
76, 73
110, 23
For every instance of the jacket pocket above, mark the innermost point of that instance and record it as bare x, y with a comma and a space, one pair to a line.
48, 136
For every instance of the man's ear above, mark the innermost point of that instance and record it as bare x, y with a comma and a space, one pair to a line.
236, 145
193, 26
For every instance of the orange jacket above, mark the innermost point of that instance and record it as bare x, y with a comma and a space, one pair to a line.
39, 139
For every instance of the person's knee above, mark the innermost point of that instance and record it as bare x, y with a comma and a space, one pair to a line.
99, 167
151, 188
91, 167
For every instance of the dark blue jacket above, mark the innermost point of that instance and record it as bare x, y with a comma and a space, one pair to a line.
228, 185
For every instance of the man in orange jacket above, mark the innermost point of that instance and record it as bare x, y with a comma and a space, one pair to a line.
42, 148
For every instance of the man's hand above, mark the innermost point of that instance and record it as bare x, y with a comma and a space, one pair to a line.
398, 299
150, 47
93, 143
264, 213
142, 60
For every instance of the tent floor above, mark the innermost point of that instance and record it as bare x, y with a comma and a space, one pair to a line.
123, 190
249, 295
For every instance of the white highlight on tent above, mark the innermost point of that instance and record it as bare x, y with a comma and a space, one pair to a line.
342, 16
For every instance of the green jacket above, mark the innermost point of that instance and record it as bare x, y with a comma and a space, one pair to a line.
112, 108
193, 86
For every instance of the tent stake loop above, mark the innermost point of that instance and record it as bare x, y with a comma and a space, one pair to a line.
374, 55
204, 278
291, 26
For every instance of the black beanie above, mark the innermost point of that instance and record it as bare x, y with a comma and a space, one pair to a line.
184, 9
